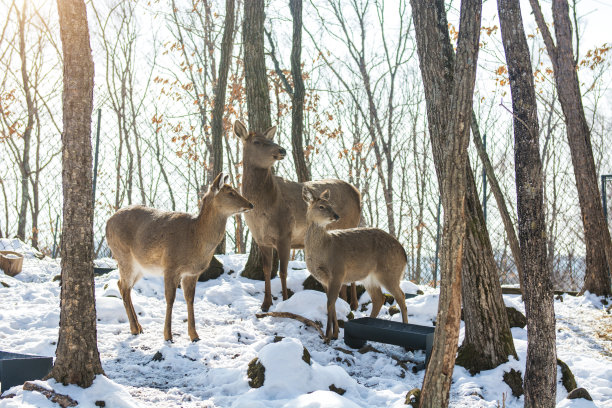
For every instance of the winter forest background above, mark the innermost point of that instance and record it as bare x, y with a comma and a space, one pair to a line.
156, 65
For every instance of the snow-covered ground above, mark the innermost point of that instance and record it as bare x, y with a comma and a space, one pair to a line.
213, 371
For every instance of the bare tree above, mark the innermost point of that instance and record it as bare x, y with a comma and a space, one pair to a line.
77, 357
596, 233
449, 86
541, 369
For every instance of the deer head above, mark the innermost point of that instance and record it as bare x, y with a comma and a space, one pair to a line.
258, 148
225, 197
319, 210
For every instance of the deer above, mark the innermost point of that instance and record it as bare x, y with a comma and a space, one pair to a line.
178, 246
279, 218
369, 255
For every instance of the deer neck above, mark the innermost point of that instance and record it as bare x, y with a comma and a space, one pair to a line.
259, 186
316, 235
210, 223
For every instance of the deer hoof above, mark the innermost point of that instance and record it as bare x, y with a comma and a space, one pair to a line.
196, 339
265, 306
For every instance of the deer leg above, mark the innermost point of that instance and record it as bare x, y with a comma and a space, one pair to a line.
170, 286
125, 288
267, 257
284, 250
188, 283
343, 294
400, 298
331, 330
354, 300
378, 299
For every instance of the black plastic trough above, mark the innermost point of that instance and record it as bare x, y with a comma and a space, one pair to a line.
15, 369
98, 270
410, 336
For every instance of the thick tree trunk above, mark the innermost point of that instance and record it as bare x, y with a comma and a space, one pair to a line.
596, 234
258, 99
449, 88
541, 367
77, 358
488, 339
297, 106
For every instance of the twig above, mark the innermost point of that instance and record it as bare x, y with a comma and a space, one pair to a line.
288, 315
61, 399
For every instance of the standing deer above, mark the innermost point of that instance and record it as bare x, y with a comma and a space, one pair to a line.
279, 218
177, 245
369, 255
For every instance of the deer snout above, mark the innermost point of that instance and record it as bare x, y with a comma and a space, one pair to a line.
336, 217
282, 151
251, 206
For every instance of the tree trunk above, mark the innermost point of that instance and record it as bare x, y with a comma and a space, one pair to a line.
449, 87
24, 165
77, 357
596, 234
488, 339
499, 199
541, 366
258, 101
219, 104
297, 106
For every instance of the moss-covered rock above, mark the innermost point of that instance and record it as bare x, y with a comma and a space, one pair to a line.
350, 316
413, 398
516, 318
312, 284
214, 270
256, 373
514, 379
393, 310
567, 378
389, 299
579, 393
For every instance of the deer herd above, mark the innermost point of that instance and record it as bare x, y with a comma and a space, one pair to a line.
321, 217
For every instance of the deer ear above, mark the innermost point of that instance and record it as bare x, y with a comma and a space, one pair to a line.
307, 195
269, 134
217, 183
226, 179
325, 195
240, 130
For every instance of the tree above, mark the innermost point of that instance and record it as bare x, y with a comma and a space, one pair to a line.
297, 107
77, 357
541, 368
449, 86
258, 100
596, 234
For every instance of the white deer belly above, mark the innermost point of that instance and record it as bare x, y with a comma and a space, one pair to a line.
154, 270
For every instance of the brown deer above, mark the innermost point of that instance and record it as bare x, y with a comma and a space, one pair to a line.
279, 218
177, 245
369, 255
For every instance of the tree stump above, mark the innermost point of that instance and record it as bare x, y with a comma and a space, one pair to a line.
11, 262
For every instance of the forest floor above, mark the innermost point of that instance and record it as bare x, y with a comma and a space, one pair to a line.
145, 371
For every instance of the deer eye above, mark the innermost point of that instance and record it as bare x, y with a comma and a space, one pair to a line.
321, 207
232, 193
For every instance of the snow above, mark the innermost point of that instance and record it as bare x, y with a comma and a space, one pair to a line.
212, 372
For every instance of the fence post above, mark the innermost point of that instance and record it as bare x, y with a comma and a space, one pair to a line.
435, 273
55, 237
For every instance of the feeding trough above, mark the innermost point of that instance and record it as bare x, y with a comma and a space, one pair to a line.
15, 369
410, 336
11, 262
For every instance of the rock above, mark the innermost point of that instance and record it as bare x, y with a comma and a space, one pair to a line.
6, 285
214, 270
579, 393
516, 318
393, 310
256, 373
567, 378
306, 356
514, 379
350, 316
158, 356
413, 398
290, 293
277, 339
312, 284
389, 299
100, 404
337, 390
